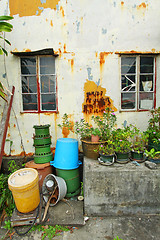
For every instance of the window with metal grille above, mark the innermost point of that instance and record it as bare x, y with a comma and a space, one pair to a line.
38, 83
138, 82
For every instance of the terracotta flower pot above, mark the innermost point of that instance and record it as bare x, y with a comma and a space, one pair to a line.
94, 138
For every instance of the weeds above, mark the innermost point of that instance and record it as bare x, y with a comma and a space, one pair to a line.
49, 231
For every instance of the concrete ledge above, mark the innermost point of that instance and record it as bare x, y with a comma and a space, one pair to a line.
120, 189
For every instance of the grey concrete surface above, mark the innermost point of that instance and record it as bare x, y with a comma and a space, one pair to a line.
120, 189
146, 227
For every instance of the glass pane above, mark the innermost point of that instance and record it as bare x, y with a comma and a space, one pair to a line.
146, 83
29, 102
128, 65
29, 84
128, 100
48, 84
48, 101
146, 100
47, 65
28, 66
128, 82
146, 64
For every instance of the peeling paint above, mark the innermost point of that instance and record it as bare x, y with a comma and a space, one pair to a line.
30, 8
90, 77
95, 99
51, 23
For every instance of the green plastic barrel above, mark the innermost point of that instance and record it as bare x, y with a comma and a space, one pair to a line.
72, 180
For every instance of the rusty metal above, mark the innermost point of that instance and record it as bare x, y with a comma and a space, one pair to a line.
5, 123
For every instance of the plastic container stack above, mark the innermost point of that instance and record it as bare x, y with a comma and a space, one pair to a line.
43, 154
67, 164
42, 142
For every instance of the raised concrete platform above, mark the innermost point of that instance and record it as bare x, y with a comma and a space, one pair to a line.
120, 189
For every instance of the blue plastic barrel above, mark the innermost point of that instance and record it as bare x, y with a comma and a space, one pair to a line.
66, 154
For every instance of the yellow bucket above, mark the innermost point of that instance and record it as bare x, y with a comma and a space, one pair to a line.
25, 189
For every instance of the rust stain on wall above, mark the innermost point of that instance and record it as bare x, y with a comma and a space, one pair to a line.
30, 7
102, 58
71, 61
64, 48
95, 99
62, 11
51, 23
142, 6
153, 50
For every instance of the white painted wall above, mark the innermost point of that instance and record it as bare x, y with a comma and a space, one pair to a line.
86, 29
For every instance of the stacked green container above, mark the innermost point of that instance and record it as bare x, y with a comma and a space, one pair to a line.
42, 142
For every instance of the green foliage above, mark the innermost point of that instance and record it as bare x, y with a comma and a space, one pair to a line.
6, 200
105, 123
95, 132
66, 123
117, 238
140, 140
83, 129
153, 130
152, 154
49, 231
8, 225
107, 149
122, 139
5, 27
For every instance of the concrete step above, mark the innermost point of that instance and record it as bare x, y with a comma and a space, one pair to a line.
120, 189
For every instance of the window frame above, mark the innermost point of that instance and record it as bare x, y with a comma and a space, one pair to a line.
137, 81
38, 84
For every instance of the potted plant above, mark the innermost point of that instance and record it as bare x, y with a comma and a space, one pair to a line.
153, 155
103, 124
107, 152
153, 130
139, 144
122, 143
84, 130
66, 126
95, 134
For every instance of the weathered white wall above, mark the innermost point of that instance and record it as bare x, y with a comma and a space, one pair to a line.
79, 31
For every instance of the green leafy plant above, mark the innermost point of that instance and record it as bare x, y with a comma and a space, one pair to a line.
49, 231
95, 132
105, 123
106, 149
8, 225
83, 129
66, 123
122, 139
4, 27
117, 238
6, 200
152, 154
140, 140
153, 130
